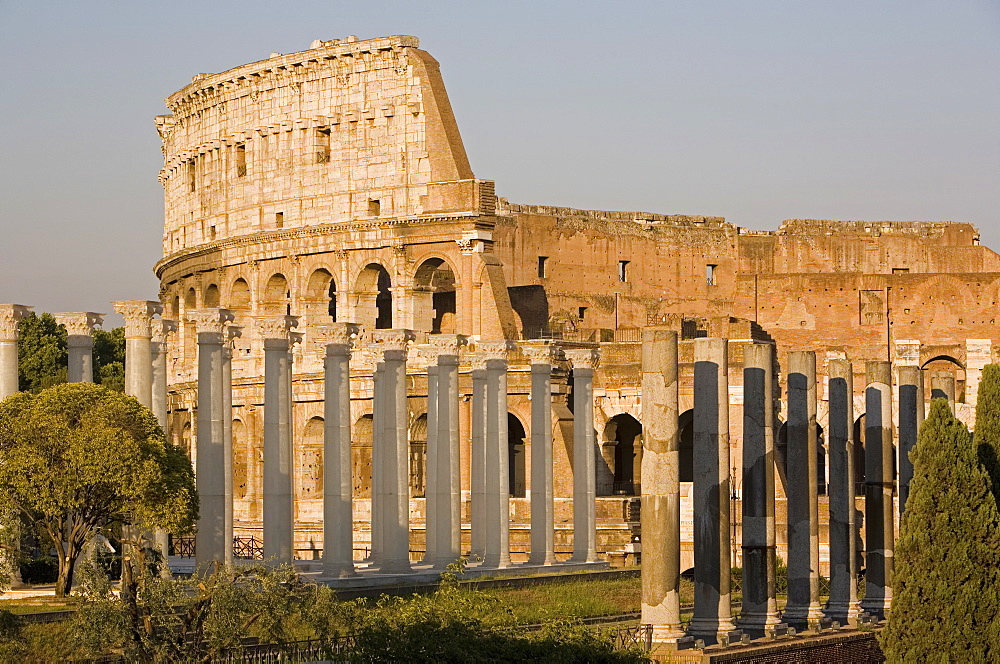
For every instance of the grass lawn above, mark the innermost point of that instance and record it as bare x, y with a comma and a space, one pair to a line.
37, 604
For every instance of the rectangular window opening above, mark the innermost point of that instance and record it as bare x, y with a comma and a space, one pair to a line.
241, 160
710, 274
900, 270
211, 232
541, 267
279, 219
374, 207
191, 175
322, 146
581, 313
623, 271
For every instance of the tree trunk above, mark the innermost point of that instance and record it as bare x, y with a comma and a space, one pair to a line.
64, 582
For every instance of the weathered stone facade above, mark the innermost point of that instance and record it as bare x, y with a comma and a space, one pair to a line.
332, 185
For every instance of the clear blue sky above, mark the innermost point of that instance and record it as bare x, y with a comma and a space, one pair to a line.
754, 110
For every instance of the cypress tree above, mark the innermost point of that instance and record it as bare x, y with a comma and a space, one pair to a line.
947, 575
988, 425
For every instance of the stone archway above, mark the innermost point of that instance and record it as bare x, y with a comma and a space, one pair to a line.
621, 450
515, 459
373, 298
320, 299
434, 297
276, 300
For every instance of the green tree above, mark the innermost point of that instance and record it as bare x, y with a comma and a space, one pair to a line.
41, 352
109, 358
946, 605
77, 457
987, 435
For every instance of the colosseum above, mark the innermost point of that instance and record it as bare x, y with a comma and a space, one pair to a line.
332, 185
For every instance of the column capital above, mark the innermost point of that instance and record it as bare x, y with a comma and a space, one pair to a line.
335, 337
907, 353
397, 339
583, 358
495, 350
80, 323
446, 344
209, 320
161, 328
478, 361
276, 327
138, 315
541, 354
10, 315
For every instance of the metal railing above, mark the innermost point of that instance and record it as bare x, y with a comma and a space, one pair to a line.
243, 547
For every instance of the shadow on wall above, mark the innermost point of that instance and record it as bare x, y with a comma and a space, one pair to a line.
531, 305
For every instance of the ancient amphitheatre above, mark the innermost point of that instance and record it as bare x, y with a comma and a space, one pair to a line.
428, 346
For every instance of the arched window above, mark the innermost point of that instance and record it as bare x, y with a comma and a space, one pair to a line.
212, 297
434, 297
239, 295
321, 294
276, 295
374, 297
622, 452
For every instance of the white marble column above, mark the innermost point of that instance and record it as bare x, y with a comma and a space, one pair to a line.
138, 315
803, 608
446, 467
10, 316
497, 489
80, 343
978, 353
584, 361
210, 541
338, 515
712, 557
227, 435
879, 512
477, 459
278, 508
395, 453
661, 489
158, 360
378, 496
542, 480
432, 486
760, 607
843, 605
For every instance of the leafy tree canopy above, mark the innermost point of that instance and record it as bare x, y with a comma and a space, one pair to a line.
77, 457
947, 575
42, 355
988, 424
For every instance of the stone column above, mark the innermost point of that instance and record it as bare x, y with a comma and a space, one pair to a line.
158, 360
542, 481
395, 461
879, 526
911, 416
713, 560
584, 361
433, 486
943, 387
80, 343
10, 315
477, 461
378, 496
138, 315
497, 489
803, 608
227, 434
278, 508
843, 605
210, 540
447, 468
338, 515
760, 607
661, 498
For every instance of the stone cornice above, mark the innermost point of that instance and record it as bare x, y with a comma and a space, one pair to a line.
262, 237
138, 315
79, 323
10, 315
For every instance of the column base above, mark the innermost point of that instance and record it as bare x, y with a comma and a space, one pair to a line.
714, 630
845, 614
394, 567
761, 624
803, 616
878, 607
339, 572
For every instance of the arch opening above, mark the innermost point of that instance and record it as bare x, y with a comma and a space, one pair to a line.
311, 459
621, 450
373, 307
515, 457
361, 457
418, 457
239, 295
434, 297
321, 292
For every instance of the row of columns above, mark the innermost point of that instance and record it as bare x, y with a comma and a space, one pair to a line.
712, 619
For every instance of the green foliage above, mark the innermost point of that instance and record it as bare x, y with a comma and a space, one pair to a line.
987, 435
41, 352
40, 570
77, 457
109, 358
946, 605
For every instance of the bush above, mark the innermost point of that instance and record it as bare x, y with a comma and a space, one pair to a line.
40, 571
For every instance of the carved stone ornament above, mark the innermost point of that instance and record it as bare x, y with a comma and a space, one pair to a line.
138, 315
391, 340
79, 323
161, 328
583, 358
209, 320
339, 334
447, 344
541, 354
276, 327
478, 361
10, 314
495, 350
